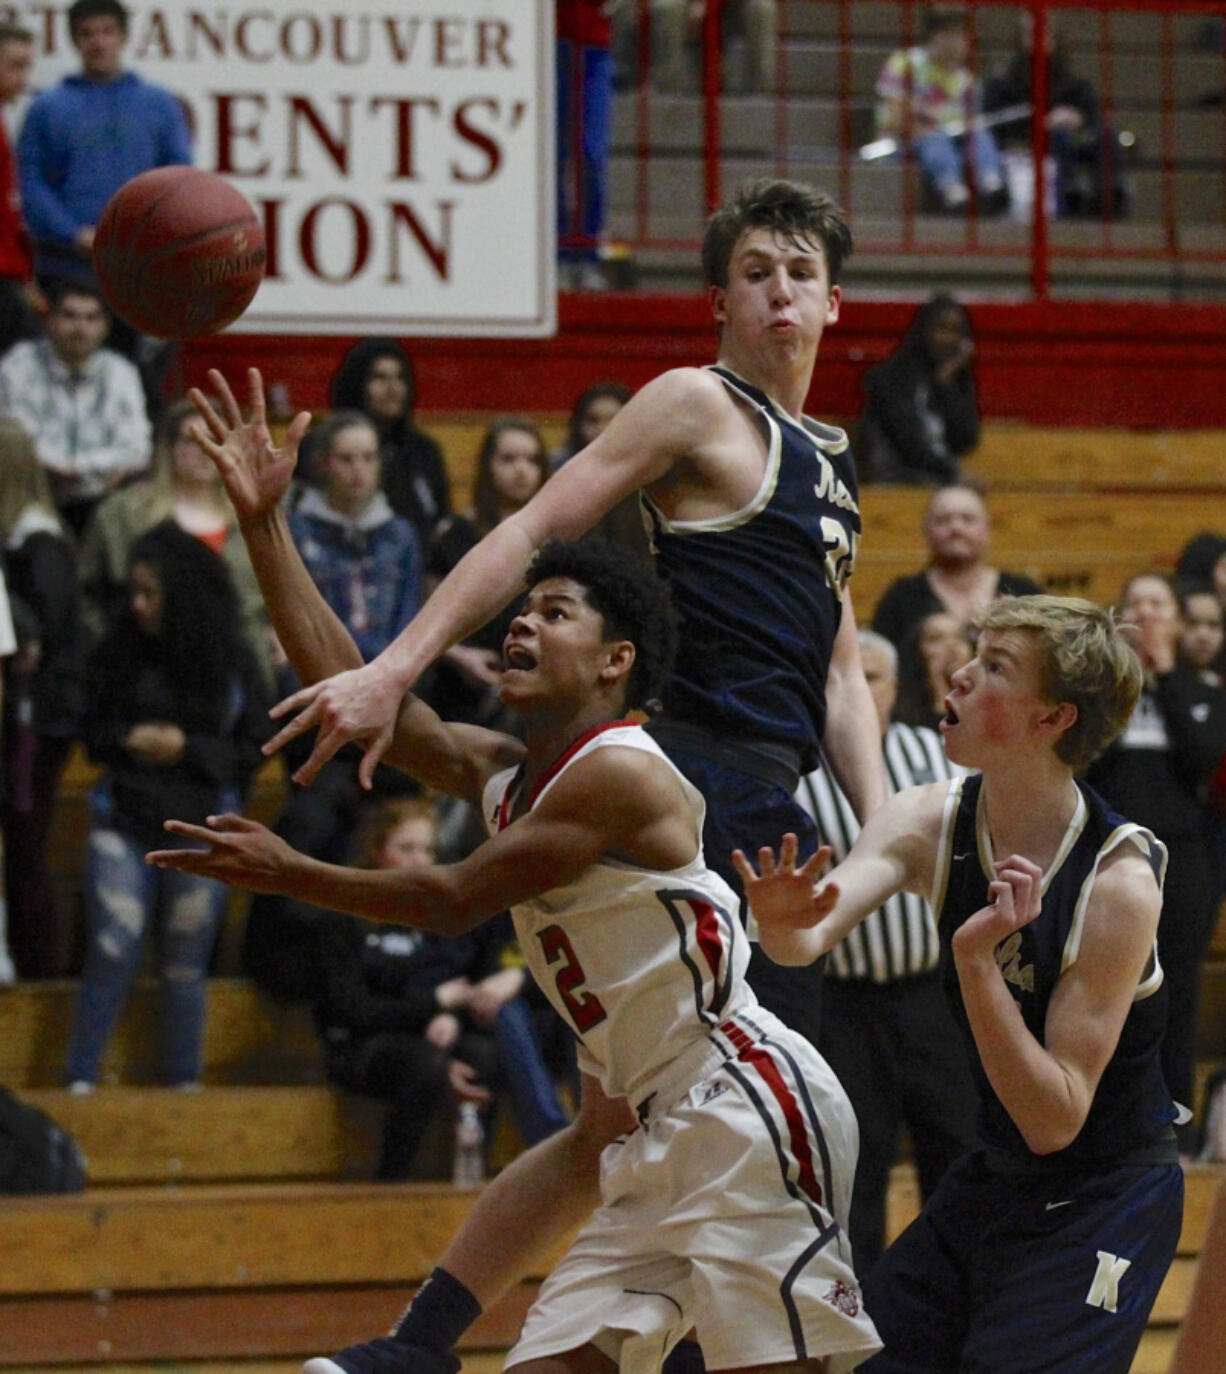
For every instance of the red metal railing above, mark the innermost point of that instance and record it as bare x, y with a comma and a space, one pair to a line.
826, 49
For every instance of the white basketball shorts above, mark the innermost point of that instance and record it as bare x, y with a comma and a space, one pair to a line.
726, 1211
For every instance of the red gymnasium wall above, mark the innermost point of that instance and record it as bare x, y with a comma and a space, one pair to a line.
1083, 363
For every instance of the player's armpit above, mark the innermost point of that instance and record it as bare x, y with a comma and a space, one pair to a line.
659, 428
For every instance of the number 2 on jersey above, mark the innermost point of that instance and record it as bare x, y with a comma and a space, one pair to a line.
584, 1007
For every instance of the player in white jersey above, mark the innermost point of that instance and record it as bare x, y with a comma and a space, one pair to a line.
724, 1209
678, 962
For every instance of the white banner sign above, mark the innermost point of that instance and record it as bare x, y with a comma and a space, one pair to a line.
400, 153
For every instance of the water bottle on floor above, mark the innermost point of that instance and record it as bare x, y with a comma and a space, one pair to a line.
468, 1167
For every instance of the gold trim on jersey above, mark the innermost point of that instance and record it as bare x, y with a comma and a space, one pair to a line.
940, 877
1144, 840
987, 854
829, 485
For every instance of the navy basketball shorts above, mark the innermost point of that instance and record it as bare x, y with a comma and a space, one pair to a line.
745, 812
1026, 1272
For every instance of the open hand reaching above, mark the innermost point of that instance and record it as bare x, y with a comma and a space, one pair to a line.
779, 893
256, 472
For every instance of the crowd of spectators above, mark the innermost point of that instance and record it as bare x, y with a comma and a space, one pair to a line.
956, 106
125, 570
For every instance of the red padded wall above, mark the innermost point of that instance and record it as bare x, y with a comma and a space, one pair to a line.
1140, 365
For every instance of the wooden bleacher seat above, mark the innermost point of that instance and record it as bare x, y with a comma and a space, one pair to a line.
278, 1271
134, 1137
248, 1037
1038, 458
1075, 543
1011, 455
224, 1271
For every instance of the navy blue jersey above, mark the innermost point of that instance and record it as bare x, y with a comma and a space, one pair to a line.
1132, 1105
758, 591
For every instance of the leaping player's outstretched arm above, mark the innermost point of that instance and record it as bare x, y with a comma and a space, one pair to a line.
612, 802
658, 429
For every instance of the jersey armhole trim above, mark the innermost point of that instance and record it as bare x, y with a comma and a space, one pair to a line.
940, 879
766, 488
1151, 849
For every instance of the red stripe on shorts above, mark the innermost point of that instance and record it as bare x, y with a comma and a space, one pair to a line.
757, 1058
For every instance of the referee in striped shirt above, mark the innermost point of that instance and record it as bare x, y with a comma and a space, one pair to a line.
886, 1030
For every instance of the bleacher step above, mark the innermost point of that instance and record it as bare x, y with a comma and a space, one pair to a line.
144, 1135
211, 1272
248, 1037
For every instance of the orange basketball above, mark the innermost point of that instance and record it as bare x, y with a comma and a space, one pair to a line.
179, 252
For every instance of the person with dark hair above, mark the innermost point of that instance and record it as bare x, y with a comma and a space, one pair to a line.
83, 404
508, 475
1201, 640
932, 650
1089, 175
176, 713
1202, 563
755, 529
1044, 1247
183, 486
734, 1187
590, 417
83, 138
44, 698
928, 98
1157, 769
21, 302
921, 411
512, 466
377, 378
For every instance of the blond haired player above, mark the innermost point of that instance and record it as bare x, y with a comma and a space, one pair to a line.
1044, 1248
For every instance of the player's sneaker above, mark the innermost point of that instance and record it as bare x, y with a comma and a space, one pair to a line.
383, 1356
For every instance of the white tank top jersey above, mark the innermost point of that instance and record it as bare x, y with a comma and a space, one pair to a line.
643, 965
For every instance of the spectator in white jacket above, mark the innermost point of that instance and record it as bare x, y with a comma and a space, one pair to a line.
83, 403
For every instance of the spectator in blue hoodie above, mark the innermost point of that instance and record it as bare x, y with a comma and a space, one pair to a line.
364, 558
82, 139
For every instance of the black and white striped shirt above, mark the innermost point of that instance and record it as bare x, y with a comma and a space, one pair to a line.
899, 938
